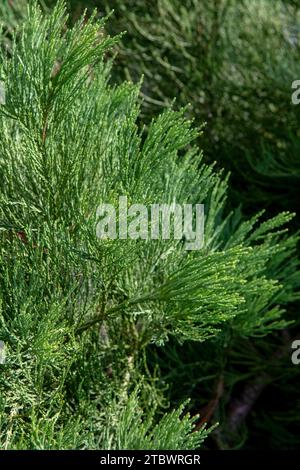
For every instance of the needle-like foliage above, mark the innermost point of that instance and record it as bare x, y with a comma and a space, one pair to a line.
80, 315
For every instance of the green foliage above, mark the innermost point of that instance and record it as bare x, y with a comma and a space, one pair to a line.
81, 317
234, 62
172, 432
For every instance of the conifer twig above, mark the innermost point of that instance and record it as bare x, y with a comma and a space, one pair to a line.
207, 412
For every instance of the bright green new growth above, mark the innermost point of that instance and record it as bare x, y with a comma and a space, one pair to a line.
79, 315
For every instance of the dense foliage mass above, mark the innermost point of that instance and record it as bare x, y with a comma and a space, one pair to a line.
120, 344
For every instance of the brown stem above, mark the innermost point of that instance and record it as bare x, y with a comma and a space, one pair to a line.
207, 412
241, 407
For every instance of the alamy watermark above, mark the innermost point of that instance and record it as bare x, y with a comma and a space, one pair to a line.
2, 92
2, 352
296, 93
158, 221
296, 354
